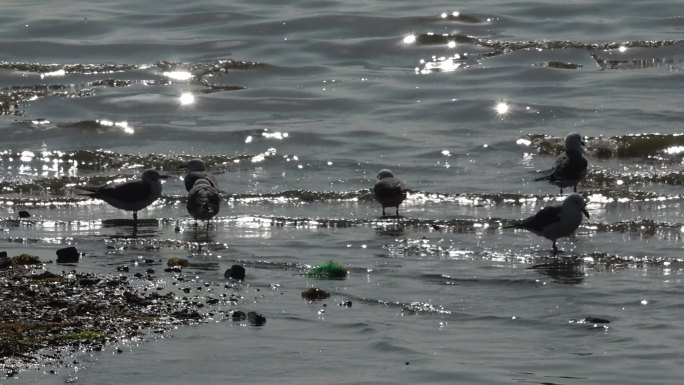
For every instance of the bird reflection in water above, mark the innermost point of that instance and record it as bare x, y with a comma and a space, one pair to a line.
568, 270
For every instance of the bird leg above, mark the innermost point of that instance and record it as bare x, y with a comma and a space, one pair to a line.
555, 248
575, 189
383, 212
397, 210
135, 216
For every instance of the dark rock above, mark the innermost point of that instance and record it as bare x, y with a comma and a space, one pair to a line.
88, 281
67, 255
186, 314
24, 214
235, 272
136, 300
596, 320
149, 271
4, 260
123, 268
256, 319
346, 304
313, 294
45, 275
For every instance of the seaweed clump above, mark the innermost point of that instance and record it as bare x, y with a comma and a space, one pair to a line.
313, 294
328, 270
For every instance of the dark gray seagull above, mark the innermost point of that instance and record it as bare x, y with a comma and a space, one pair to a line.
389, 191
203, 200
196, 170
130, 196
570, 167
553, 222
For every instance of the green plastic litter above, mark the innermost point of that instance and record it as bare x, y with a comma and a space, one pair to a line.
330, 269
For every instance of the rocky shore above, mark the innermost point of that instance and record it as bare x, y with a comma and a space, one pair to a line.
46, 316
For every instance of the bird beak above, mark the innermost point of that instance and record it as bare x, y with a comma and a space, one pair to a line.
586, 214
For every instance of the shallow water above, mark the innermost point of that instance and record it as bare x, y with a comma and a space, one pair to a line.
295, 108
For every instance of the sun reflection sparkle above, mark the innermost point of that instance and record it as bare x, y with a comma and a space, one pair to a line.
502, 108
186, 99
410, 39
178, 75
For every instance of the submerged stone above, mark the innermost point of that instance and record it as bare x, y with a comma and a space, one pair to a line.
235, 272
313, 294
596, 320
68, 255
256, 319
24, 214
177, 262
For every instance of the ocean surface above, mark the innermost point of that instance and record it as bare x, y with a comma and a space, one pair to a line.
295, 107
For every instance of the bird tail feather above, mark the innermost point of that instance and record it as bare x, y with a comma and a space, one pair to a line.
88, 190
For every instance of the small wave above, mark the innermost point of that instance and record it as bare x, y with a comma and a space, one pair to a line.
649, 145
501, 47
13, 99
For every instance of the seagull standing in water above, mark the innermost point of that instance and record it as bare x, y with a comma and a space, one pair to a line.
203, 200
553, 222
389, 191
130, 196
197, 170
570, 167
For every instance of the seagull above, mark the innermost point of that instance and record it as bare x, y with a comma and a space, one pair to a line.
553, 222
130, 196
389, 191
203, 200
196, 170
570, 167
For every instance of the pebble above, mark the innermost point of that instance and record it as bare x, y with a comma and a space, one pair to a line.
235, 272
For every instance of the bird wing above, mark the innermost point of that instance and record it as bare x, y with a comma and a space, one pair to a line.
559, 163
389, 187
135, 190
193, 176
572, 166
541, 219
